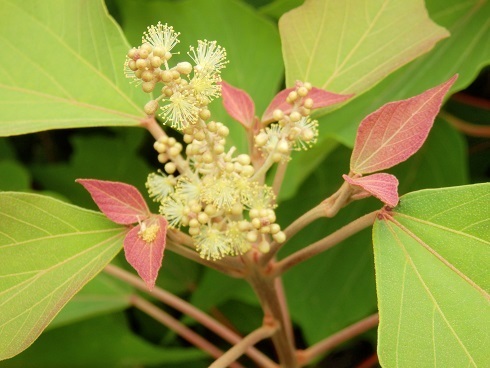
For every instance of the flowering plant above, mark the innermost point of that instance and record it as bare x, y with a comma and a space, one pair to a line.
232, 192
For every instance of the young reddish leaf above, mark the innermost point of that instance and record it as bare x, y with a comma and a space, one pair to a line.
320, 97
144, 246
120, 202
382, 186
238, 104
396, 130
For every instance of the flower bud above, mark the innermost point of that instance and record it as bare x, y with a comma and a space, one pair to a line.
150, 108
184, 67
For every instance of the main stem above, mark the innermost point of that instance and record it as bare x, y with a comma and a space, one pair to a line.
268, 295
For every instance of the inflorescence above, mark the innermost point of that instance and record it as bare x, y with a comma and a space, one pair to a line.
213, 193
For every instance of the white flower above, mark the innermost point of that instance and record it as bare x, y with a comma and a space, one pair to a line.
160, 186
209, 57
305, 133
161, 35
237, 239
181, 110
188, 189
211, 243
205, 88
174, 210
221, 192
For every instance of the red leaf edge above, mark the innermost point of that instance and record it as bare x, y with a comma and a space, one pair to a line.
374, 129
238, 104
381, 185
146, 257
122, 203
321, 98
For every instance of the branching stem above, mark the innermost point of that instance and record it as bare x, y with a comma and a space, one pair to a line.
324, 244
188, 309
307, 355
182, 330
239, 349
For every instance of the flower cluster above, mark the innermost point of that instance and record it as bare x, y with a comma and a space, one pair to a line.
294, 129
212, 193
184, 89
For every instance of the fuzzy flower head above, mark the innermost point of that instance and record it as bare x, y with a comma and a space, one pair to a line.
161, 36
304, 133
181, 110
209, 58
212, 243
160, 186
175, 211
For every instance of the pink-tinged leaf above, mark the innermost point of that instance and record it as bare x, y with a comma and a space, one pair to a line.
396, 130
320, 97
238, 104
120, 202
383, 186
144, 246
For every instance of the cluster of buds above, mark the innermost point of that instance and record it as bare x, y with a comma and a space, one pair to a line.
184, 89
294, 129
212, 194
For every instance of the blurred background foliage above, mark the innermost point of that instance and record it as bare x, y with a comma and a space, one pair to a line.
325, 294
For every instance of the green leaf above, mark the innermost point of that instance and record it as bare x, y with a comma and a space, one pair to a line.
441, 162
49, 250
215, 289
338, 285
63, 69
278, 7
464, 52
348, 47
92, 157
431, 256
103, 294
255, 65
101, 342
340, 282
14, 176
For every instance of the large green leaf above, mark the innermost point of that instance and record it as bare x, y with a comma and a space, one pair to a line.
464, 52
252, 44
341, 286
432, 255
61, 66
101, 342
349, 46
104, 294
49, 250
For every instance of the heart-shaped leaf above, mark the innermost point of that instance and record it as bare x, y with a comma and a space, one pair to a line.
348, 47
431, 255
48, 251
120, 202
238, 104
381, 185
396, 130
320, 99
144, 246
64, 71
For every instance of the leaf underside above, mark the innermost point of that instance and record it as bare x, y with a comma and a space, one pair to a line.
431, 256
349, 46
49, 250
63, 69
